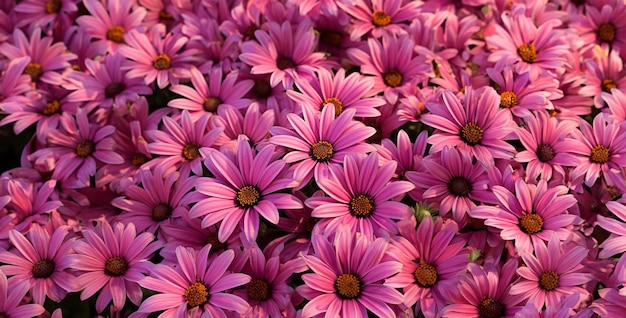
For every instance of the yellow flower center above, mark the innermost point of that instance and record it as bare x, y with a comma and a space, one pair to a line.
163, 15
248, 196
53, 6
259, 289
471, 133
392, 78
336, 102
491, 308
607, 84
606, 32
43, 268
196, 294
191, 151
85, 148
116, 34
322, 151
52, 108
426, 275
549, 280
531, 223
380, 19
361, 205
115, 266
162, 62
528, 52
348, 286
600, 154
508, 99
161, 212
34, 70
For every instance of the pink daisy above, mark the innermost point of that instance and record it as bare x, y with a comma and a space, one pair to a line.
30, 202
196, 287
603, 73
616, 226
379, 17
347, 278
359, 195
602, 25
11, 304
14, 85
43, 14
112, 259
475, 124
254, 125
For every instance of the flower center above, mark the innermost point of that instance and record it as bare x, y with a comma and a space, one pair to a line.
196, 294
85, 148
284, 63
216, 245
248, 196
34, 70
163, 15
259, 289
527, 52
43, 268
115, 266
553, 112
116, 34
491, 308
607, 84
53, 6
249, 33
380, 19
549, 280
348, 286
336, 102
392, 78
160, 212
606, 32
361, 205
471, 134
191, 151
138, 159
262, 88
331, 38
162, 62
545, 152
460, 186
508, 99
600, 154
531, 223
113, 89
426, 275
211, 103
52, 108
321, 151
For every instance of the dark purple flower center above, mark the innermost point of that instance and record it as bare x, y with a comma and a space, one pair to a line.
321, 151
116, 34
471, 134
196, 294
460, 186
348, 286
545, 152
211, 103
51, 108
331, 38
249, 33
138, 159
426, 275
34, 70
491, 308
113, 89
261, 89
53, 6
608, 84
284, 63
361, 205
162, 62
392, 78
335, 102
248, 196
508, 99
380, 19
85, 148
531, 223
216, 245
600, 154
259, 289
43, 268
161, 212
115, 266
528, 52
191, 151
606, 32
549, 280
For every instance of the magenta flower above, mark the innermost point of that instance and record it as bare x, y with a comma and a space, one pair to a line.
196, 287
602, 24
253, 126
347, 278
378, 17
11, 303
603, 73
111, 260
244, 187
616, 242
43, 14
30, 203
41, 260
13, 86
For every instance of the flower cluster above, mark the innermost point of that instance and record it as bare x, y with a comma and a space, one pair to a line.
303, 158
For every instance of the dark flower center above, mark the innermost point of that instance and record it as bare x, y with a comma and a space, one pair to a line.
471, 134
216, 245
248, 196
336, 102
284, 63
116, 34
549, 280
196, 294
531, 223
426, 275
528, 52
261, 88
160, 212
553, 112
460, 186
113, 89
191, 151
607, 84
508, 99
162, 62
115, 266
606, 32
53, 6
211, 103
34, 70
249, 33
361, 205
322, 151
380, 19
85, 148
331, 38
392, 78
43, 268
259, 289
138, 159
491, 308
348, 286
600, 154
52, 108
545, 152
163, 15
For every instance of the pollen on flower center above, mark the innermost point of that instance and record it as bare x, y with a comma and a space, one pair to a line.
85, 148
508, 99
531, 223
191, 151
471, 133
211, 103
549, 280
348, 286
600, 154
491, 308
336, 102
392, 78
161, 212
113, 89
53, 6
248, 196
259, 289
43, 268
426, 275
138, 159
196, 294
361, 205
115, 266
116, 34
52, 108
460, 186
528, 52
34, 70
331, 38
322, 151
608, 84
284, 63
380, 19
606, 32
545, 152
162, 62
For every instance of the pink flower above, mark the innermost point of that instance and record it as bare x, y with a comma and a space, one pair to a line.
616, 226
11, 303
30, 202
603, 73
254, 125
378, 17
44, 14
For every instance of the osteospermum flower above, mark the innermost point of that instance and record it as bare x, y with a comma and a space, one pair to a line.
30, 202
111, 260
603, 73
616, 242
380, 18
197, 287
43, 14
254, 125
347, 278
604, 25
359, 195
11, 303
